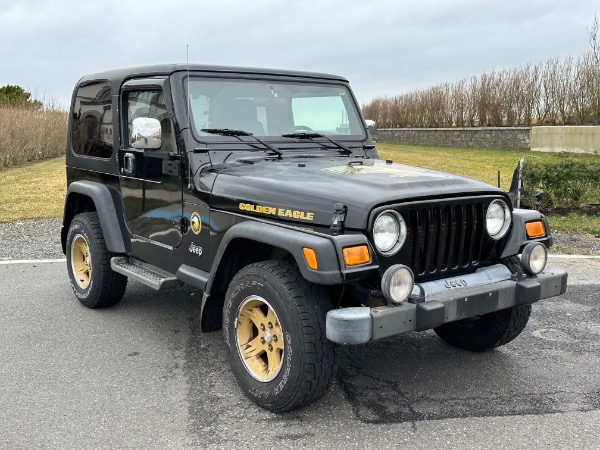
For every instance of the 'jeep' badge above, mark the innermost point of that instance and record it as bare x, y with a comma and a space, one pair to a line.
461, 282
196, 223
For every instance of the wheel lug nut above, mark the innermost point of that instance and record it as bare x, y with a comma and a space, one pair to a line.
262, 340
270, 348
274, 338
262, 327
270, 326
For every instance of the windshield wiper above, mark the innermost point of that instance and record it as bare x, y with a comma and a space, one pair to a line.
238, 133
312, 136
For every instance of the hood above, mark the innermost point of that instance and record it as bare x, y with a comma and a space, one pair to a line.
305, 190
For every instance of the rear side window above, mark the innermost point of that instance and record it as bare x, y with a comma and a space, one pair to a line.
92, 120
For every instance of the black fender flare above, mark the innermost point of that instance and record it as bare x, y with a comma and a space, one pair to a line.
109, 206
288, 239
517, 238
328, 250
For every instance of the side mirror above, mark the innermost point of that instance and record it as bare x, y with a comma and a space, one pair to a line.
145, 133
372, 127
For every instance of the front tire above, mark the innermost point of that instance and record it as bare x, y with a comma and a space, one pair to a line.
274, 329
481, 333
94, 282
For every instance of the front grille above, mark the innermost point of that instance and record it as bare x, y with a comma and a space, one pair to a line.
444, 237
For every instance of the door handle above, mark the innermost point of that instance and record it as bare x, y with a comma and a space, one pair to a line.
129, 163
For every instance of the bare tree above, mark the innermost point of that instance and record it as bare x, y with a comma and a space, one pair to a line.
554, 91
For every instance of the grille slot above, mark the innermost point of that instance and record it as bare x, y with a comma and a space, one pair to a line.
445, 237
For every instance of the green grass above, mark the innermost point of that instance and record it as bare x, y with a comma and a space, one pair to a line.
575, 222
480, 164
33, 191
483, 165
38, 190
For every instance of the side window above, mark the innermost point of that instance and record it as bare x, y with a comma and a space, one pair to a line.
149, 103
92, 121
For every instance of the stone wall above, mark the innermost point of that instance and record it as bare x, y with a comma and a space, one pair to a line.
518, 138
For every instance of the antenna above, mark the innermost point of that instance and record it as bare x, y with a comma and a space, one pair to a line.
189, 124
187, 63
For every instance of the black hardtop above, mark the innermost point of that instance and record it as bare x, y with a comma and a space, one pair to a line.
119, 75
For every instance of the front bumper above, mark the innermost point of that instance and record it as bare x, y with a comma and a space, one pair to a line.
483, 293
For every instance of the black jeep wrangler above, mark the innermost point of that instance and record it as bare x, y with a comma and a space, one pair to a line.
262, 189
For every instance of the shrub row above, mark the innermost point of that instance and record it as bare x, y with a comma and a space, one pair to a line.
564, 181
30, 134
552, 92
555, 91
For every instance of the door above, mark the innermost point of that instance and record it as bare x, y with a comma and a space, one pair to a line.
151, 184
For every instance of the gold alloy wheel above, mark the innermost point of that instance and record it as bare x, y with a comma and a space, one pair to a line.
259, 338
81, 261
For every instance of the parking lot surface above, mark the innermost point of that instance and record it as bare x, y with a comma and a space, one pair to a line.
143, 375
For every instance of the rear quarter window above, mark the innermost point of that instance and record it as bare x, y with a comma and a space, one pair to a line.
92, 132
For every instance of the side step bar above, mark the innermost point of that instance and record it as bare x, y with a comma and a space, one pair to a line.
144, 273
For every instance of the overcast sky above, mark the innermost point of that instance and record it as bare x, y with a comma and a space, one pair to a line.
383, 47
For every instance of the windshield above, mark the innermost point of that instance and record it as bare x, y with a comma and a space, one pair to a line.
268, 108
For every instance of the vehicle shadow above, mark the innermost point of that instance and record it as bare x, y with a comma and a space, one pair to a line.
416, 377
406, 378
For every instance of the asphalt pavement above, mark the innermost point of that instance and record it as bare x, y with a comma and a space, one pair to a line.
142, 375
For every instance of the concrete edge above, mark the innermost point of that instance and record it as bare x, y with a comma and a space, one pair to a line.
31, 261
574, 256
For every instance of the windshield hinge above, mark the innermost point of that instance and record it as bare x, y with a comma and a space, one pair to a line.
171, 167
339, 215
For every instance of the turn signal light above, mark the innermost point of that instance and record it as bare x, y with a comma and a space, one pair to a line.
535, 229
311, 258
353, 256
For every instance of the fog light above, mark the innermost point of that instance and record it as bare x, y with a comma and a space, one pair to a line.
534, 258
397, 283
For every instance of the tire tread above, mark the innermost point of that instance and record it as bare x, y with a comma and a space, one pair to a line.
311, 306
496, 329
111, 284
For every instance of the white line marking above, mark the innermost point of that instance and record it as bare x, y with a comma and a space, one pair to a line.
574, 256
32, 261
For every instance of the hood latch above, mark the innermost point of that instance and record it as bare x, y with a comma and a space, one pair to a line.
339, 215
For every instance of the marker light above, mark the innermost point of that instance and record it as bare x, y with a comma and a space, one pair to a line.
311, 258
359, 254
535, 229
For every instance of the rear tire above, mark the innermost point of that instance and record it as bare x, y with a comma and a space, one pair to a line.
487, 331
274, 329
94, 282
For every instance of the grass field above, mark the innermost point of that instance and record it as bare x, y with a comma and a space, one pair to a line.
33, 191
480, 164
483, 165
38, 190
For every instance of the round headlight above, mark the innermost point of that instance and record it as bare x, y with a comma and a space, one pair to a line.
389, 232
497, 219
534, 258
397, 283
